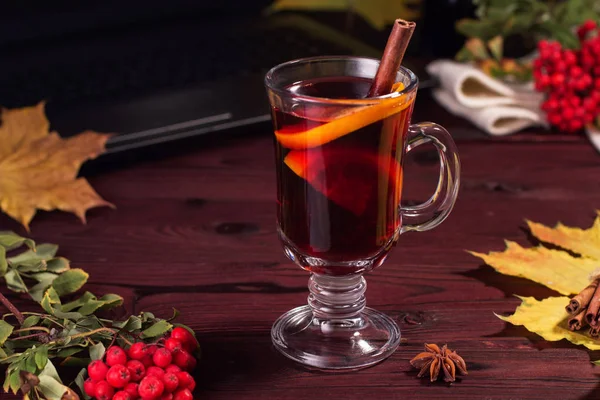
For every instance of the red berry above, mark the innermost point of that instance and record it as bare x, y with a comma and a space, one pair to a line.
184, 360
569, 57
147, 361
184, 394
115, 355
185, 337
554, 119
121, 395
575, 101
118, 376
172, 368
132, 389
97, 370
151, 388
166, 396
575, 71
173, 344
152, 349
557, 79
575, 125
89, 387
138, 350
186, 381
589, 104
162, 357
155, 371
171, 382
568, 113
597, 83
136, 369
104, 391
544, 81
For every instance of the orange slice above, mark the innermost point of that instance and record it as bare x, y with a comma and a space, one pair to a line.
349, 177
342, 123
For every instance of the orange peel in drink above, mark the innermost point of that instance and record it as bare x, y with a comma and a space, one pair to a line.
344, 122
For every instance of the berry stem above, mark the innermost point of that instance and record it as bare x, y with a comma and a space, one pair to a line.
11, 307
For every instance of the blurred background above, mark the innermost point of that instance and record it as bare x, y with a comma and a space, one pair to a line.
161, 72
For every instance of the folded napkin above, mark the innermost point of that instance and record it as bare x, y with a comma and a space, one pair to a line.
497, 107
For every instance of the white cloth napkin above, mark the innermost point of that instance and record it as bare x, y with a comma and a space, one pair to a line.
496, 107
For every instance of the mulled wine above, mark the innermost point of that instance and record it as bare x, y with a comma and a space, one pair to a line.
339, 170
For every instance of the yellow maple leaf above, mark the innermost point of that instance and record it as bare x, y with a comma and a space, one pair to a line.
555, 269
548, 319
38, 169
581, 241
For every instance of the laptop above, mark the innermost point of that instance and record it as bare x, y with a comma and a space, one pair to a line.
155, 74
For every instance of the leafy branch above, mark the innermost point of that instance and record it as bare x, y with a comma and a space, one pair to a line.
527, 20
70, 334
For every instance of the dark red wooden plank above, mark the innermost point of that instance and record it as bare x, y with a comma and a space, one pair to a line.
197, 232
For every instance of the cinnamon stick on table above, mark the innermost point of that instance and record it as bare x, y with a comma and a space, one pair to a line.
577, 322
594, 332
392, 58
593, 307
581, 301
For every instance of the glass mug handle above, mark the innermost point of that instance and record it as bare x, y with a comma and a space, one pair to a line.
434, 211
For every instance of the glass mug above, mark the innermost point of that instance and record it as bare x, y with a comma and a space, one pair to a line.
339, 171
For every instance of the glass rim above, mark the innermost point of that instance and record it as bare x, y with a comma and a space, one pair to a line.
268, 80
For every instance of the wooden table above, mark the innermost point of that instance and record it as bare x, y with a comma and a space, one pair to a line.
196, 231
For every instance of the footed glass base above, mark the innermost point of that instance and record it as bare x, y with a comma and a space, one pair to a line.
336, 335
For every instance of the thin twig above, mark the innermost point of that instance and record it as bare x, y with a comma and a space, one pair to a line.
33, 328
33, 335
11, 307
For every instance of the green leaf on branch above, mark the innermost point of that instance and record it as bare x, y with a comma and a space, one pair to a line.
49, 300
79, 381
70, 281
159, 328
5, 330
3, 261
30, 321
41, 356
97, 351
15, 282
44, 251
57, 265
11, 241
472, 28
133, 323
51, 388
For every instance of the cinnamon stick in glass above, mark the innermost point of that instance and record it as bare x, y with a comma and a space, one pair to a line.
577, 322
392, 58
581, 301
593, 307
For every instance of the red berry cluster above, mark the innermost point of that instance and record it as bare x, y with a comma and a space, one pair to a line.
571, 79
148, 372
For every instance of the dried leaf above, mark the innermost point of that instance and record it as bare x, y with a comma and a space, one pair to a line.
548, 319
38, 169
555, 269
581, 241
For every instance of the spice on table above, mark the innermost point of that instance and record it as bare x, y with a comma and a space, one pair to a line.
434, 359
585, 309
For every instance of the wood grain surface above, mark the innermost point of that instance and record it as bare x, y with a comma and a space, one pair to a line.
196, 231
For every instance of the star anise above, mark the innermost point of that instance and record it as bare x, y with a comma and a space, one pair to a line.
434, 359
